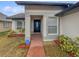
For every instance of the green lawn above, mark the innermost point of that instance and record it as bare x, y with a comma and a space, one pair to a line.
3, 33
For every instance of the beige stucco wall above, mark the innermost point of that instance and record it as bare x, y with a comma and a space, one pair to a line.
43, 7
5, 29
69, 24
1, 26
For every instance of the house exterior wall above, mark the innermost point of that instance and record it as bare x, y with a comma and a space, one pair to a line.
2, 28
45, 11
43, 7
5, 24
2, 16
14, 24
69, 24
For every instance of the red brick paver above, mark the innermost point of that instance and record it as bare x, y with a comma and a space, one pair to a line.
36, 48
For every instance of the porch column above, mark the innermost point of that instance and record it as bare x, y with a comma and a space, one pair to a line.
44, 27
27, 27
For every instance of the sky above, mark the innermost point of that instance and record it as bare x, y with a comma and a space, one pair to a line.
10, 8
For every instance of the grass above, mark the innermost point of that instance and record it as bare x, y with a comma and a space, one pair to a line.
53, 51
3, 33
9, 46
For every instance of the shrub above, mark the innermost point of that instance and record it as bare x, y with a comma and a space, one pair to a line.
66, 45
77, 40
77, 52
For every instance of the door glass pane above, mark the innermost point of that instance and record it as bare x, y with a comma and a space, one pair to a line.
36, 24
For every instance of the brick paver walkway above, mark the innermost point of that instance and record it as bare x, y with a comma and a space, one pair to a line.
36, 48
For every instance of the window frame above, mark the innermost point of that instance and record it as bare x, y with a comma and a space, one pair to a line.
56, 25
19, 27
5, 24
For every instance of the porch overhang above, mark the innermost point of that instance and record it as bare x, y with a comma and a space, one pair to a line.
62, 13
49, 3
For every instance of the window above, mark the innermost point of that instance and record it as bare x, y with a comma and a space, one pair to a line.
5, 24
52, 29
19, 24
52, 25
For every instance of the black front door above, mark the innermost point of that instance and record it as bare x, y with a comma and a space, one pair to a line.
37, 25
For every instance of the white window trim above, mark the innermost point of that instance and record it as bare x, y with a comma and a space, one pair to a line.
19, 25
57, 27
6, 24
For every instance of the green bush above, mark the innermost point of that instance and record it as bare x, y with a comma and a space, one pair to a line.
66, 43
77, 52
77, 44
69, 46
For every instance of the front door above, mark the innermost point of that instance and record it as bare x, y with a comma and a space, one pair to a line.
37, 25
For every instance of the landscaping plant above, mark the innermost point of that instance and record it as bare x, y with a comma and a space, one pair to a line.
67, 45
4, 33
77, 40
77, 46
77, 52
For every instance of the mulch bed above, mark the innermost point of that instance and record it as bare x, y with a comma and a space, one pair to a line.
52, 50
16, 35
